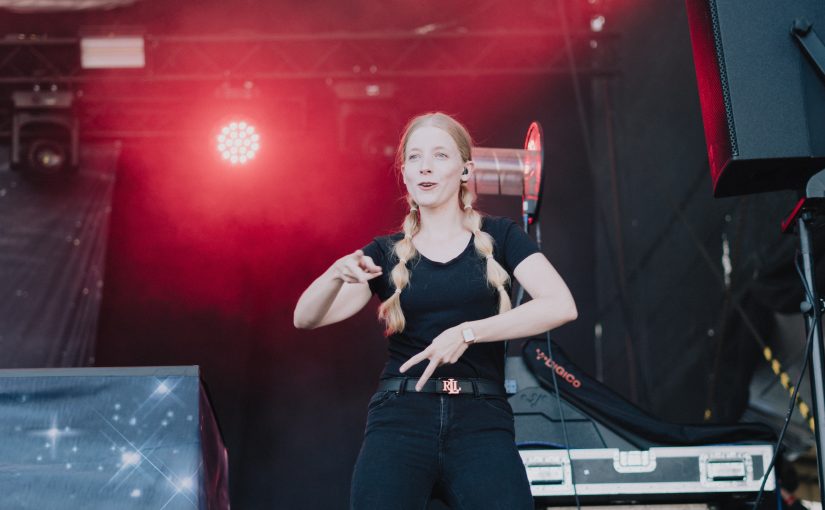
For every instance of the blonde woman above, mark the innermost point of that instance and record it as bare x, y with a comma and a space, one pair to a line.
440, 420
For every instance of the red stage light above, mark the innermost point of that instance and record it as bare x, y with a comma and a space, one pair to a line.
238, 142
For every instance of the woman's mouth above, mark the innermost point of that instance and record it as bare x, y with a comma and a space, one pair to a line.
426, 185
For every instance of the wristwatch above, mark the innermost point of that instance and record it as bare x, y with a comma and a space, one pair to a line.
469, 335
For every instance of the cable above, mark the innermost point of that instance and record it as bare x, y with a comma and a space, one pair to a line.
734, 301
563, 427
615, 255
808, 348
788, 415
558, 397
520, 289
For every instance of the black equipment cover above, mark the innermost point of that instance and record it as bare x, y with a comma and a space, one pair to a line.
622, 416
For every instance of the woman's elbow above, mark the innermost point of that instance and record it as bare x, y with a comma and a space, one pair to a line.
304, 325
302, 322
571, 312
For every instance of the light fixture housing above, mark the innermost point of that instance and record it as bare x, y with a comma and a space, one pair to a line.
45, 133
501, 171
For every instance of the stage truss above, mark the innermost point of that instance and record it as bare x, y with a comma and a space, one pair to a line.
238, 61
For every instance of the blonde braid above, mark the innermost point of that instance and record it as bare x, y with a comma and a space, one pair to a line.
390, 310
497, 277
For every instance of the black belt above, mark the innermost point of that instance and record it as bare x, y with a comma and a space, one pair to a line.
447, 385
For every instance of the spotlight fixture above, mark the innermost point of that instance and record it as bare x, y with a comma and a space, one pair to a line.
46, 156
45, 137
512, 172
238, 142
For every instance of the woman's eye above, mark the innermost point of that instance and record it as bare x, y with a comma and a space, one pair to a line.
412, 157
441, 155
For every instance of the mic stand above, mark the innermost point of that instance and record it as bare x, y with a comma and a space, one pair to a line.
803, 217
807, 210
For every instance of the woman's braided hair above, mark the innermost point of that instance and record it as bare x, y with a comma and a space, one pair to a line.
390, 310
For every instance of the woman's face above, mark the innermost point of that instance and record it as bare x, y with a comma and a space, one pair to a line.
432, 167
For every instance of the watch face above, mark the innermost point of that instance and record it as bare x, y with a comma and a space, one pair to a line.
468, 334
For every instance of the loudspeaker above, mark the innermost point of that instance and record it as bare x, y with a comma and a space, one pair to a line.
763, 104
110, 439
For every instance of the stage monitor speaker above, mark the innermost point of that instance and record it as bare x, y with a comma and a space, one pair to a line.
109, 439
763, 104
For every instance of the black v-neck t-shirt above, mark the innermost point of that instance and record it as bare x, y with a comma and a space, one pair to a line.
441, 295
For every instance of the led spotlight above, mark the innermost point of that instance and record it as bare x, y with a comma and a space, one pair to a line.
45, 138
238, 142
46, 157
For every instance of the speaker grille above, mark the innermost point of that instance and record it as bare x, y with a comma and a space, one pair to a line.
723, 78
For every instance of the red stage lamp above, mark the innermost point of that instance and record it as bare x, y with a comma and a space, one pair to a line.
512, 171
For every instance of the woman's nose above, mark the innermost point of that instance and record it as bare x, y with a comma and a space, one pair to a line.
425, 166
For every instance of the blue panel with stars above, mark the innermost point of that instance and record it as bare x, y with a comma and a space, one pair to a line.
109, 438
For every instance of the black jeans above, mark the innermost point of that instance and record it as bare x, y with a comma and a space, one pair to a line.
462, 444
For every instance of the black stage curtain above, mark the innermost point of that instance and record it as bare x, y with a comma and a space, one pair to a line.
52, 249
687, 284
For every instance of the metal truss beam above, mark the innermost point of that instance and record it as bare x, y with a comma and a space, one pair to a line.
368, 55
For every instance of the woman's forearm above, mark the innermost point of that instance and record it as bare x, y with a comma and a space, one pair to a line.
313, 308
531, 318
316, 301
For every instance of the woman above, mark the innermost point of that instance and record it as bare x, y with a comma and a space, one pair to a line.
440, 419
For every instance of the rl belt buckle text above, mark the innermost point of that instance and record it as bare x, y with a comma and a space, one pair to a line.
450, 386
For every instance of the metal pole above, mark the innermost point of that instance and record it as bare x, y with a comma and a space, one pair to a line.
818, 355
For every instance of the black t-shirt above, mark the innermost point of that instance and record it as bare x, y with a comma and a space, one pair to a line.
441, 295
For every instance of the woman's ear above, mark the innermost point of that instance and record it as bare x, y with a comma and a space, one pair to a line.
469, 166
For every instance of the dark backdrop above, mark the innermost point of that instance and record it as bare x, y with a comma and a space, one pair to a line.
681, 276
207, 263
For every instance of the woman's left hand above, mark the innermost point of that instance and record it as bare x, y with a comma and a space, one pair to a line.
445, 348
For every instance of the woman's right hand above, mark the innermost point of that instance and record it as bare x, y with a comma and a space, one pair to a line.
355, 268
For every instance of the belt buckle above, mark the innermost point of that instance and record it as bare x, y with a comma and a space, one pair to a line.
450, 386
